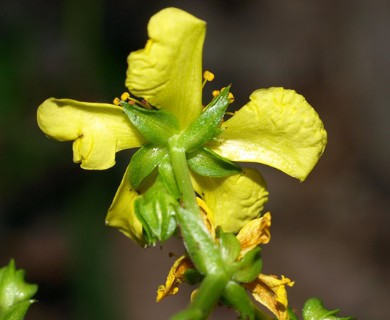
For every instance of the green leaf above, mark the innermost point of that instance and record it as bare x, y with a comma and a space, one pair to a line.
15, 293
315, 310
207, 163
206, 126
143, 162
249, 267
155, 125
156, 211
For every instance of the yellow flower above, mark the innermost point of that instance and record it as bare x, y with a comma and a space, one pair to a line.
277, 127
269, 290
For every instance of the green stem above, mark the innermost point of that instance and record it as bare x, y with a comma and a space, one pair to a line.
178, 159
205, 299
200, 246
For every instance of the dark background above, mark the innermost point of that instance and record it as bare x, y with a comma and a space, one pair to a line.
330, 233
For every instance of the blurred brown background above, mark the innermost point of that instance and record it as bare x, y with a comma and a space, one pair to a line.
330, 233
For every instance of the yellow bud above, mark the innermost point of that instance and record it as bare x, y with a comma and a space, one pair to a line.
215, 93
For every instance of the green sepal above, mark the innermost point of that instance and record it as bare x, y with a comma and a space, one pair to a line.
165, 171
192, 276
155, 125
315, 310
206, 126
143, 162
229, 245
15, 293
249, 267
156, 211
207, 163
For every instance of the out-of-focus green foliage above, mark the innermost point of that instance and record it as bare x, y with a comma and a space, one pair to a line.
15, 293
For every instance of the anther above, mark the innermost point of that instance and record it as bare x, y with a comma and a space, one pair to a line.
116, 101
125, 96
146, 104
231, 97
216, 93
207, 76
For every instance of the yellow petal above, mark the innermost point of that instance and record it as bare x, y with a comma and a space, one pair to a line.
277, 128
233, 200
98, 130
175, 277
254, 233
207, 216
168, 71
271, 292
121, 214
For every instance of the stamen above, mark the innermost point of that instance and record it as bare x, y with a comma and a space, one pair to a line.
207, 76
231, 97
216, 93
146, 104
116, 101
125, 96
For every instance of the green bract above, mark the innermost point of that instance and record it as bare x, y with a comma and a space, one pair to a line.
143, 162
206, 126
207, 163
157, 126
249, 267
156, 211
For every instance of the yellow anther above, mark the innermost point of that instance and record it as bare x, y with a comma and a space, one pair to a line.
231, 97
216, 93
116, 101
208, 76
125, 96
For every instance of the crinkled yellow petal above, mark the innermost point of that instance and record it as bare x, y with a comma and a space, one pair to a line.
121, 214
271, 292
254, 233
233, 200
98, 130
174, 278
277, 128
168, 71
